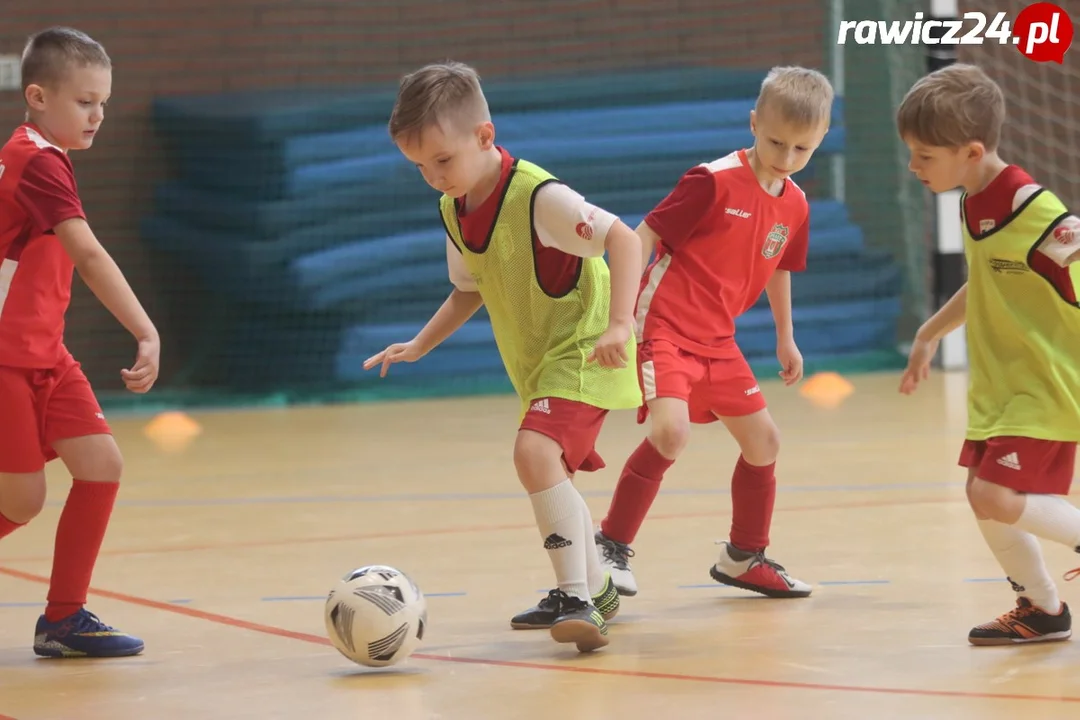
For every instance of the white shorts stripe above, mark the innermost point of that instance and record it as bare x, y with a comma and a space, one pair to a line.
7, 273
656, 274
648, 379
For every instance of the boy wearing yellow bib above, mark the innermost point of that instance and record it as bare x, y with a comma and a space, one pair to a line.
1023, 335
531, 250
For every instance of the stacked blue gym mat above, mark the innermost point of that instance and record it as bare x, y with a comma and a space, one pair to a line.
320, 243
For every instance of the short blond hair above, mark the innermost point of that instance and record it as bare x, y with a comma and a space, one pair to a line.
50, 54
951, 107
800, 96
437, 94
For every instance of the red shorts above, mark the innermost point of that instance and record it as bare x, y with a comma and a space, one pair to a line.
1027, 465
41, 407
574, 425
710, 386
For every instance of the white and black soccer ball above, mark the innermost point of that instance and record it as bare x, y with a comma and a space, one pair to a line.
376, 616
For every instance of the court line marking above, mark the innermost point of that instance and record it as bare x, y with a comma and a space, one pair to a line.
465, 529
854, 582
295, 598
456, 497
712, 679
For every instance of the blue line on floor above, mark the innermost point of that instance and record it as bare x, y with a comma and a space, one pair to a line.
181, 601
982, 580
854, 582
457, 497
21, 604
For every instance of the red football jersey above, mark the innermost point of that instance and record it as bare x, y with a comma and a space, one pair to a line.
722, 236
37, 192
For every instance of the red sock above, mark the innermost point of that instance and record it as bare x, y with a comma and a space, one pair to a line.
78, 539
7, 527
753, 494
635, 492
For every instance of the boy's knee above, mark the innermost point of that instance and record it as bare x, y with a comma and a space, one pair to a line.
762, 448
538, 461
108, 467
95, 458
670, 436
112, 468
994, 502
22, 497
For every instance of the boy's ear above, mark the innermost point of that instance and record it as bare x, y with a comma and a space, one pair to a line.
35, 97
753, 123
976, 151
486, 134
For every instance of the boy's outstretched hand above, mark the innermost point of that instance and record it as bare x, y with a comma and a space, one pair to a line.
398, 352
918, 366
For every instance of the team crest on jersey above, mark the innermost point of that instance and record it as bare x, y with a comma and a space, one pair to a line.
774, 241
1066, 233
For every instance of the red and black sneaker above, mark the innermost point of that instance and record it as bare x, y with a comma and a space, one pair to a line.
757, 573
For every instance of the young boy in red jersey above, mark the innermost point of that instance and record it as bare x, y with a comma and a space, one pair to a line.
530, 250
1023, 337
49, 408
730, 229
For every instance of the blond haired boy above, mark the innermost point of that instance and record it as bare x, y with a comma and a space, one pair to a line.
1023, 336
730, 229
47, 407
531, 250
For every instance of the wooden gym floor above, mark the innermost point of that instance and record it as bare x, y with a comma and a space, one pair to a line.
220, 556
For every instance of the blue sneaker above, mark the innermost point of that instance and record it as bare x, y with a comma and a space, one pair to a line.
82, 635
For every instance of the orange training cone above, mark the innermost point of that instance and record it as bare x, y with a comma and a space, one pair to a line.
172, 431
826, 389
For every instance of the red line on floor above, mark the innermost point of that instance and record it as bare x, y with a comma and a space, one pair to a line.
318, 640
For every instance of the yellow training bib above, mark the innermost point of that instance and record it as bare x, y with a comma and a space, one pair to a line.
543, 340
1023, 336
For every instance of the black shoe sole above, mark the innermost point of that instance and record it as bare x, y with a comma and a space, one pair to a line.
724, 579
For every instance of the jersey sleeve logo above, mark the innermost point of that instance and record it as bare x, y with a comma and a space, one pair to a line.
1067, 233
775, 241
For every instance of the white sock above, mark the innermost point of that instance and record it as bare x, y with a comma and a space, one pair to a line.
1053, 518
1020, 556
558, 513
593, 569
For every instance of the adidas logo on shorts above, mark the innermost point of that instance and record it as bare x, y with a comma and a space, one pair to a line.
1012, 460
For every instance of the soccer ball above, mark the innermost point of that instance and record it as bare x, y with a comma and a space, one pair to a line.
376, 616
